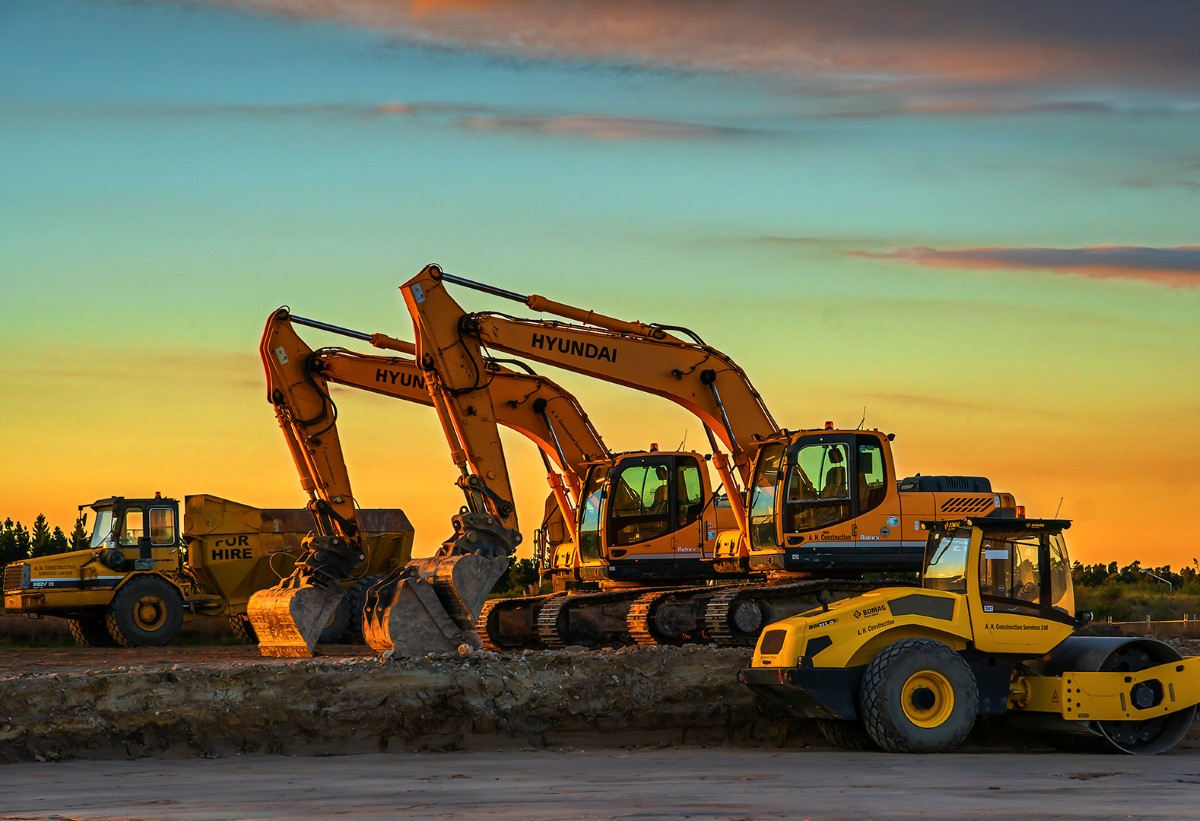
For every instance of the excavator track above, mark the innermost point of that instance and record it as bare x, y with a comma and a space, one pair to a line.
735, 617
641, 620
496, 612
588, 619
638, 619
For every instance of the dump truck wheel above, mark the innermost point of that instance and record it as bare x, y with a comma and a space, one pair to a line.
146, 612
335, 630
356, 598
90, 632
242, 629
919, 696
846, 735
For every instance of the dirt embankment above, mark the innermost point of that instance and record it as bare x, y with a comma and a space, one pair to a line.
213, 706
219, 701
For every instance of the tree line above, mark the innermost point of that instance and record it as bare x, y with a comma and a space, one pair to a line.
18, 542
1184, 580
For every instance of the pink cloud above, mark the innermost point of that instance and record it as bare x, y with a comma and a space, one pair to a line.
1177, 266
1087, 41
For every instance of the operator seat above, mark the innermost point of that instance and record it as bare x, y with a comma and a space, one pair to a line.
835, 483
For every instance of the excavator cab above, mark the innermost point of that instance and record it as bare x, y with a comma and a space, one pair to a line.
649, 512
821, 496
829, 501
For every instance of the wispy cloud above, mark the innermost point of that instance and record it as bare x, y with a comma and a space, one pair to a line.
478, 118
1177, 266
1087, 42
602, 128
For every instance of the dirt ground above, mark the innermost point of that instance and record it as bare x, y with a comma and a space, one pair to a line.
634, 785
217, 732
77, 659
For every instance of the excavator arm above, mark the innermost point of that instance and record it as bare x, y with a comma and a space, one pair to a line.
440, 598
298, 379
649, 358
288, 617
523, 401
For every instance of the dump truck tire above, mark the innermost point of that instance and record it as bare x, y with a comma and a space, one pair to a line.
336, 630
918, 696
846, 735
242, 629
90, 632
146, 612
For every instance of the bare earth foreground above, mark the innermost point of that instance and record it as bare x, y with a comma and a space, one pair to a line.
217, 732
636, 784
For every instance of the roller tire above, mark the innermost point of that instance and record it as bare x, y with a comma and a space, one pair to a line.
918, 696
242, 629
146, 612
846, 735
90, 632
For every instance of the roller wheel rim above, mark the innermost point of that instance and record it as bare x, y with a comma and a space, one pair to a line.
927, 697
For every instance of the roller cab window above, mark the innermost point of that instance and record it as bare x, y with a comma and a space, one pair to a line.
1026, 573
946, 563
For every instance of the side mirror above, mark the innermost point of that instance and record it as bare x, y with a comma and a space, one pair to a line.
824, 599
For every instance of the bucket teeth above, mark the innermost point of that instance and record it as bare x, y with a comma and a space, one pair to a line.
288, 621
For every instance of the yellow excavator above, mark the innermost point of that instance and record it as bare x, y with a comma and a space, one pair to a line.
571, 449
991, 631
816, 503
431, 603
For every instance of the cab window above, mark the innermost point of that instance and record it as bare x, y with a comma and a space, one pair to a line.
1009, 569
818, 486
640, 502
589, 514
946, 564
1062, 595
690, 499
762, 497
871, 473
133, 526
162, 526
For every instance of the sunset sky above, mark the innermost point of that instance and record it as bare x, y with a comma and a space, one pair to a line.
978, 224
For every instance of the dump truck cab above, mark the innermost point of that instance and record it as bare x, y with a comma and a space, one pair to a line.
127, 535
137, 534
990, 631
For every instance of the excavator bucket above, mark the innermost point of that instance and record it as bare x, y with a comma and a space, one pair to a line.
431, 605
289, 620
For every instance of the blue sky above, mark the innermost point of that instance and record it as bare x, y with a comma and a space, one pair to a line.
857, 205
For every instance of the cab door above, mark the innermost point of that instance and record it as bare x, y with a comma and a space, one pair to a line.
653, 507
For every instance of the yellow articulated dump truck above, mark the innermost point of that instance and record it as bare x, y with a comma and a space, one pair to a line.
143, 574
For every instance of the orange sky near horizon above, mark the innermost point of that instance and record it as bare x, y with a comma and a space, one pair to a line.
977, 226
